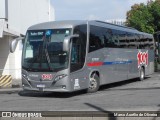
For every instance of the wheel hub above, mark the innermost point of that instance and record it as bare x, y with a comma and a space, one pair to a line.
93, 83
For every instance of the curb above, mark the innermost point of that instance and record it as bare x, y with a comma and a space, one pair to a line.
10, 91
13, 89
15, 86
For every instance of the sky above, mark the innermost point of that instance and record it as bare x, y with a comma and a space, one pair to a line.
92, 9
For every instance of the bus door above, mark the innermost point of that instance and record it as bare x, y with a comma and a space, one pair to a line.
77, 60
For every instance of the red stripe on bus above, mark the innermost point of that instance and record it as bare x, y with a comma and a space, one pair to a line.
92, 64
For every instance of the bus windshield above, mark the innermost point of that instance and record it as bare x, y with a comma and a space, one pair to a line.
43, 50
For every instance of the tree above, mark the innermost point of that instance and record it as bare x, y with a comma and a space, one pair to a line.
145, 17
155, 10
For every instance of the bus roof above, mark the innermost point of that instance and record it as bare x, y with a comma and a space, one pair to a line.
72, 23
57, 24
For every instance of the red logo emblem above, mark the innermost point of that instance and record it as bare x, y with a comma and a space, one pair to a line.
142, 58
47, 77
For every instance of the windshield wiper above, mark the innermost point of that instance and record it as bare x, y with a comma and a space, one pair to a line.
40, 54
48, 58
46, 53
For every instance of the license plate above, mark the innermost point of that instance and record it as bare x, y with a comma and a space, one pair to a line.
41, 86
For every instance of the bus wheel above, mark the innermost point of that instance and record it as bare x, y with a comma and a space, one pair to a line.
141, 74
94, 84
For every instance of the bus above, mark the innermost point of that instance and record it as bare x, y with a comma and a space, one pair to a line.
67, 56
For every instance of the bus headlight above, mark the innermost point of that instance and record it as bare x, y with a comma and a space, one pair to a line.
60, 77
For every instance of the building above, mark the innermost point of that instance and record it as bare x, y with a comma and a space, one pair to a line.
15, 17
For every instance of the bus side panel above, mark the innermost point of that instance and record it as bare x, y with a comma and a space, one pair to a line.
113, 65
150, 66
122, 61
109, 70
80, 79
106, 70
133, 70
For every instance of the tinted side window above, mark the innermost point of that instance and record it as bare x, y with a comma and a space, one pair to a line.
141, 42
111, 38
101, 37
96, 40
151, 43
122, 39
146, 43
131, 40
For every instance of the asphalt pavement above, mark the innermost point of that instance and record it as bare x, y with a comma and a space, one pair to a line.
131, 95
16, 87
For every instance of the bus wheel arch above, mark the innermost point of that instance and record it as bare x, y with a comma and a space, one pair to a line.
94, 82
142, 73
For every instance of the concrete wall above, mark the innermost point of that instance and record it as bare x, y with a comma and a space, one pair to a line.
4, 55
24, 13
3, 9
21, 14
10, 63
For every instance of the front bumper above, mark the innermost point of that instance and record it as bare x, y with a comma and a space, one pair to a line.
62, 85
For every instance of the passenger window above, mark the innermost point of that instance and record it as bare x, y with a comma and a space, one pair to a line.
96, 40
122, 40
111, 40
101, 37
131, 40
151, 43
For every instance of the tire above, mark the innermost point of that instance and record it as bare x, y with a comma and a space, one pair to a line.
94, 83
141, 74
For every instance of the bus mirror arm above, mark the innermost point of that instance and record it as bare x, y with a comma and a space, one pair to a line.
13, 44
67, 41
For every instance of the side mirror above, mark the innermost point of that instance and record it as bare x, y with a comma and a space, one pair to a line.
67, 40
23, 40
13, 44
